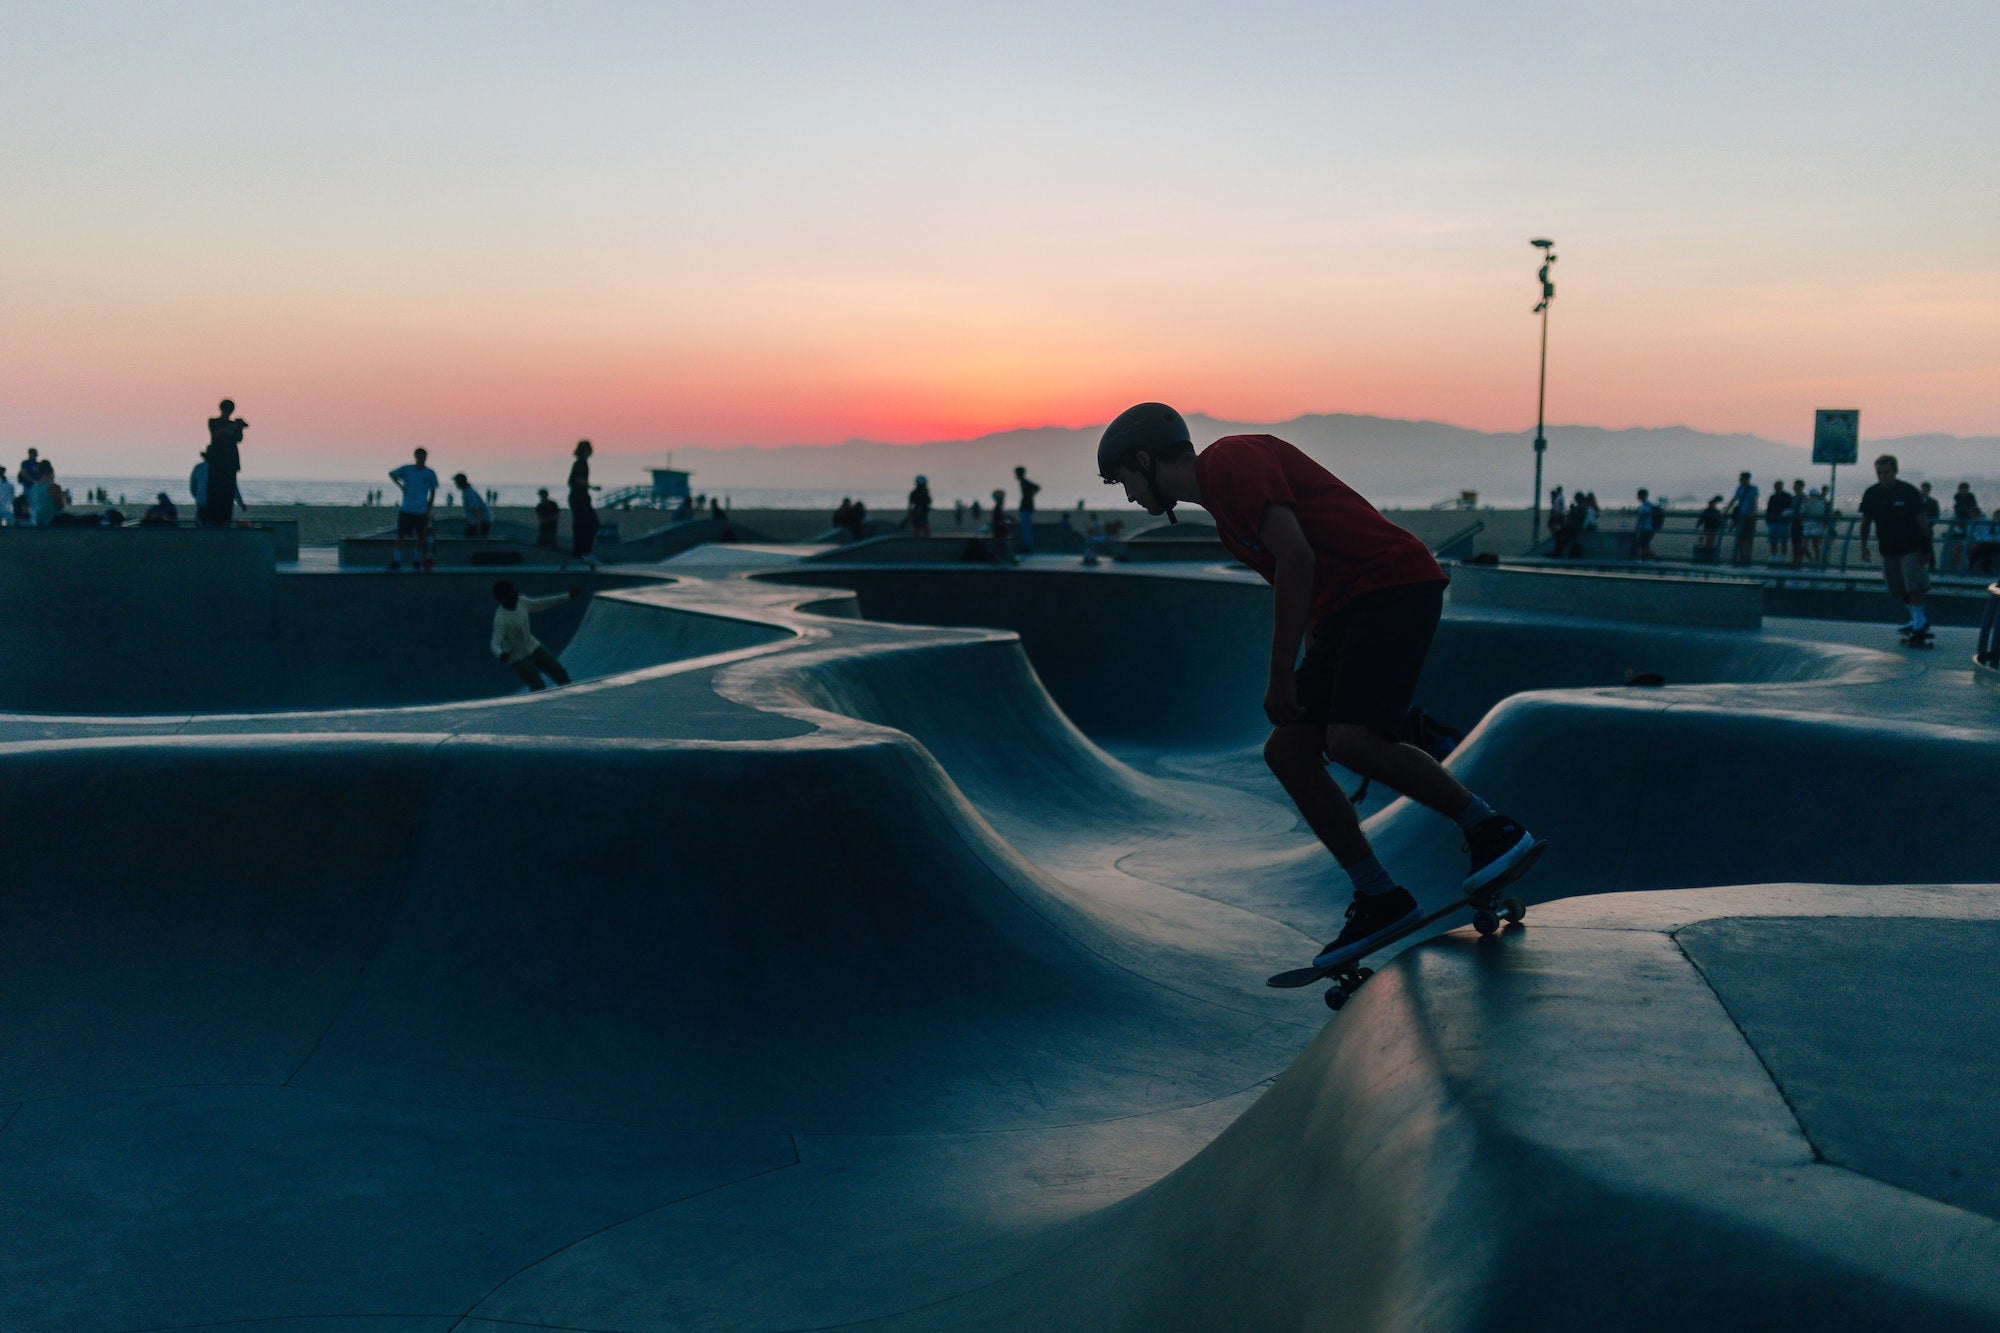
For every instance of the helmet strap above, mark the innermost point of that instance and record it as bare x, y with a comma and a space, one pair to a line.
1152, 473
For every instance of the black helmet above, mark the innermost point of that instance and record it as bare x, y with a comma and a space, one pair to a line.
1154, 427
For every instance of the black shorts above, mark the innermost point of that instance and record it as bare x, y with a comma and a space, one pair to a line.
410, 525
1362, 664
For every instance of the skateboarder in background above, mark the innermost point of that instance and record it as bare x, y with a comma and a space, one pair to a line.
1897, 508
515, 644
225, 460
419, 486
478, 514
582, 513
1025, 511
1363, 597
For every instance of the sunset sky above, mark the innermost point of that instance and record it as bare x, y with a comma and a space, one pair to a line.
496, 228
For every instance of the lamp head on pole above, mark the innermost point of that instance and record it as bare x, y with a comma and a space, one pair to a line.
1548, 249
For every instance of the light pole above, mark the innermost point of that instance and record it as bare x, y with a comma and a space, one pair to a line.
1548, 249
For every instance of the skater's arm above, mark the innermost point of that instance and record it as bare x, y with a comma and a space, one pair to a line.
1292, 594
534, 604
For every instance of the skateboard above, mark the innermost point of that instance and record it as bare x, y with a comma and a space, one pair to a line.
1917, 638
1489, 911
430, 547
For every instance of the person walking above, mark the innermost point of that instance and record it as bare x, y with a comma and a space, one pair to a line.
1363, 597
1932, 513
1811, 529
547, 514
478, 515
582, 513
225, 459
419, 486
515, 644
919, 515
1002, 552
1025, 511
1896, 508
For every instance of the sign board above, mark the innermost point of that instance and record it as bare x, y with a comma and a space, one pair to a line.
1836, 435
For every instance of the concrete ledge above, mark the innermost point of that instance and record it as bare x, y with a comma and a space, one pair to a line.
1711, 603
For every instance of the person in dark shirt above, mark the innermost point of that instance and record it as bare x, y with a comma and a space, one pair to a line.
918, 516
582, 513
1026, 510
1896, 509
162, 514
225, 460
547, 514
1362, 597
1778, 521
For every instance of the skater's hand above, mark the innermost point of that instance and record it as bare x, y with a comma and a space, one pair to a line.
1281, 700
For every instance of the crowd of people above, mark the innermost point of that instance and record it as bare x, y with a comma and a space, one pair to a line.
1797, 524
1008, 536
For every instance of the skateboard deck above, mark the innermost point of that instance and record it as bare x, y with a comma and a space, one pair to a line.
1922, 638
1489, 912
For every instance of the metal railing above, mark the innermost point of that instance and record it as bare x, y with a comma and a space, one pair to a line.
1963, 547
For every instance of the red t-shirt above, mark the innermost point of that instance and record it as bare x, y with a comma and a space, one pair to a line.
1356, 550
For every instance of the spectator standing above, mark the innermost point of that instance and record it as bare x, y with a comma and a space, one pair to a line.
1813, 512
46, 499
225, 460
1026, 516
1002, 554
1557, 518
582, 513
31, 470
1743, 513
857, 520
515, 644
1797, 514
919, 516
6, 499
478, 517
1932, 512
1964, 510
419, 486
1709, 524
547, 514
1897, 509
958, 513
1645, 527
1778, 521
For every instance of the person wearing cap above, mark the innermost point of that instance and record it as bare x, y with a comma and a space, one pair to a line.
919, 516
1362, 597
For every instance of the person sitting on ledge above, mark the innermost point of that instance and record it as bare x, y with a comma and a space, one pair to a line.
516, 645
162, 514
1362, 596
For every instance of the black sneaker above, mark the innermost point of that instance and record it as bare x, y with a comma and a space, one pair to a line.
1501, 853
1370, 917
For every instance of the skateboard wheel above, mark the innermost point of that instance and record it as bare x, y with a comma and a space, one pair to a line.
1512, 909
1335, 998
1485, 922
1359, 975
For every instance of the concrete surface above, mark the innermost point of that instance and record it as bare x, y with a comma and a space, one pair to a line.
798, 969
1712, 603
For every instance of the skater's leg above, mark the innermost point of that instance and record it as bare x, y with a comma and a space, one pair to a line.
1399, 766
549, 666
525, 669
1294, 756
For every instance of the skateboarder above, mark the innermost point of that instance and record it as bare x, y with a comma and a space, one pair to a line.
1363, 597
516, 645
1897, 508
419, 486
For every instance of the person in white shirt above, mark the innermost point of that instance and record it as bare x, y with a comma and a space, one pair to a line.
413, 516
478, 516
516, 645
